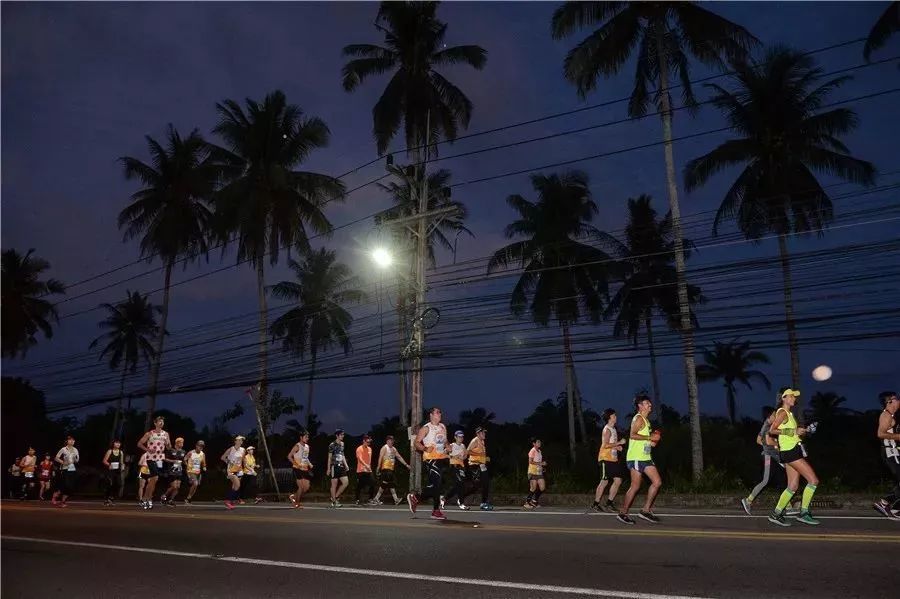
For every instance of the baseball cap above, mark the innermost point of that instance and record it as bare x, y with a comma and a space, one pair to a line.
459, 434
480, 429
339, 431
789, 391
366, 437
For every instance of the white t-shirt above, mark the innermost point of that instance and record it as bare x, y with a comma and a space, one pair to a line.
69, 457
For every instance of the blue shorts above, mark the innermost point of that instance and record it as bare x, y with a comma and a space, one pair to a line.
640, 465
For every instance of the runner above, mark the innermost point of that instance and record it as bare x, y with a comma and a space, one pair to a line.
889, 435
793, 456
234, 470
640, 461
66, 457
478, 470
143, 475
386, 462
174, 471
536, 483
113, 461
28, 466
45, 472
196, 466
299, 459
337, 468
364, 470
772, 466
432, 442
458, 454
249, 485
608, 460
155, 443
15, 477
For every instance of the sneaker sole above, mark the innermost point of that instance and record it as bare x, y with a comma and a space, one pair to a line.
412, 504
801, 521
882, 510
746, 507
625, 522
777, 523
650, 520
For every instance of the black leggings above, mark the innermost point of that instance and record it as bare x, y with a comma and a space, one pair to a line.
459, 483
481, 478
364, 479
894, 495
248, 486
434, 472
113, 484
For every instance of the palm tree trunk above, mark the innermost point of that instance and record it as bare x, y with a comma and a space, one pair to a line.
309, 390
114, 433
570, 392
157, 358
401, 331
687, 332
789, 311
653, 374
263, 329
729, 397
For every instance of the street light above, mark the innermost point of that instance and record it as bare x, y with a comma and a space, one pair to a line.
382, 257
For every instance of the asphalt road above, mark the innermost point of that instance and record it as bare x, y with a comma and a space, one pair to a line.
273, 551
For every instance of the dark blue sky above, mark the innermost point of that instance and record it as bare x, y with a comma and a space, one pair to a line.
84, 82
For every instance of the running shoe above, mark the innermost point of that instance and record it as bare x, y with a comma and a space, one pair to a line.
648, 516
162, 499
358, 502
150, 505
241, 501
63, 504
331, 503
229, 505
806, 518
169, 503
792, 511
597, 507
338, 503
413, 502
625, 519
438, 515
187, 502
373, 502
611, 507
377, 502
443, 501
257, 501
778, 518
54, 501
745, 503
106, 503
528, 505
462, 506
883, 508
297, 506
398, 501
292, 498
487, 507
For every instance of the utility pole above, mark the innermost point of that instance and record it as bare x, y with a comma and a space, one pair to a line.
254, 399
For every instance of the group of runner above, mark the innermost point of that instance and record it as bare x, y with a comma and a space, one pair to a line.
780, 437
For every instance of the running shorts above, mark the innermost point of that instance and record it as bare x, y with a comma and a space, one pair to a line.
792, 455
338, 471
302, 474
156, 469
640, 465
387, 479
611, 470
535, 477
194, 478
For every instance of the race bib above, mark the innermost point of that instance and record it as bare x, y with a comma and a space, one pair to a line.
29, 475
159, 463
114, 465
45, 473
71, 467
482, 467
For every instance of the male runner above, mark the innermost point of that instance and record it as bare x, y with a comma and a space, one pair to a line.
66, 457
113, 461
195, 461
364, 477
432, 442
458, 456
385, 470
174, 471
302, 467
608, 460
889, 435
640, 461
28, 466
337, 468
536, 482
154, 443
478, 470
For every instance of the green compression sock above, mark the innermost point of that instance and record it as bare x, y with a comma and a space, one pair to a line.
808, 493
784, 500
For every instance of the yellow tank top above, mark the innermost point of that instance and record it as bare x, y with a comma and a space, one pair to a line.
608, 455
788, 438
638, 449
389, 457
535, 455
477, 452
249, 464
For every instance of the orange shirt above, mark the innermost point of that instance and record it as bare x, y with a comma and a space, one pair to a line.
363, 458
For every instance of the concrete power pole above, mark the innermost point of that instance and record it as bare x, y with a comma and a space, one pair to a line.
254, 398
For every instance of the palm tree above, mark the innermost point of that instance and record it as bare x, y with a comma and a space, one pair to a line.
322, 288
470, 419
825, 406
562, 278
24, 310
170, 213
784, 139
265, 202
887, 25
427, 103
732, 362
649, 287
664, 34
131, 329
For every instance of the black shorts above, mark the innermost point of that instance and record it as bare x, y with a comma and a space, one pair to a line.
792, 455
156, 470
894, 466
611, 470
338, 471
302, 474
387, 479
171, 477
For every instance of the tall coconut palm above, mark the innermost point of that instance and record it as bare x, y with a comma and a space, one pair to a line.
649, 288
732, 362
131, 331
887, 25
265, 203
24, 309
170, 214
664, 33
322, 289
417, 96
784, 140
563, 278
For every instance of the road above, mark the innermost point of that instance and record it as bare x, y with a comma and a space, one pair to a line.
273, 551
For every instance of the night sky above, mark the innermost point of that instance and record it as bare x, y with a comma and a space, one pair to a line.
84, 82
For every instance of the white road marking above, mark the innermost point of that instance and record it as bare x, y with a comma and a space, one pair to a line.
419, 578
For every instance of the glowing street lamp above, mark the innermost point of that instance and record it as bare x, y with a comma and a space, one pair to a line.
382, 257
